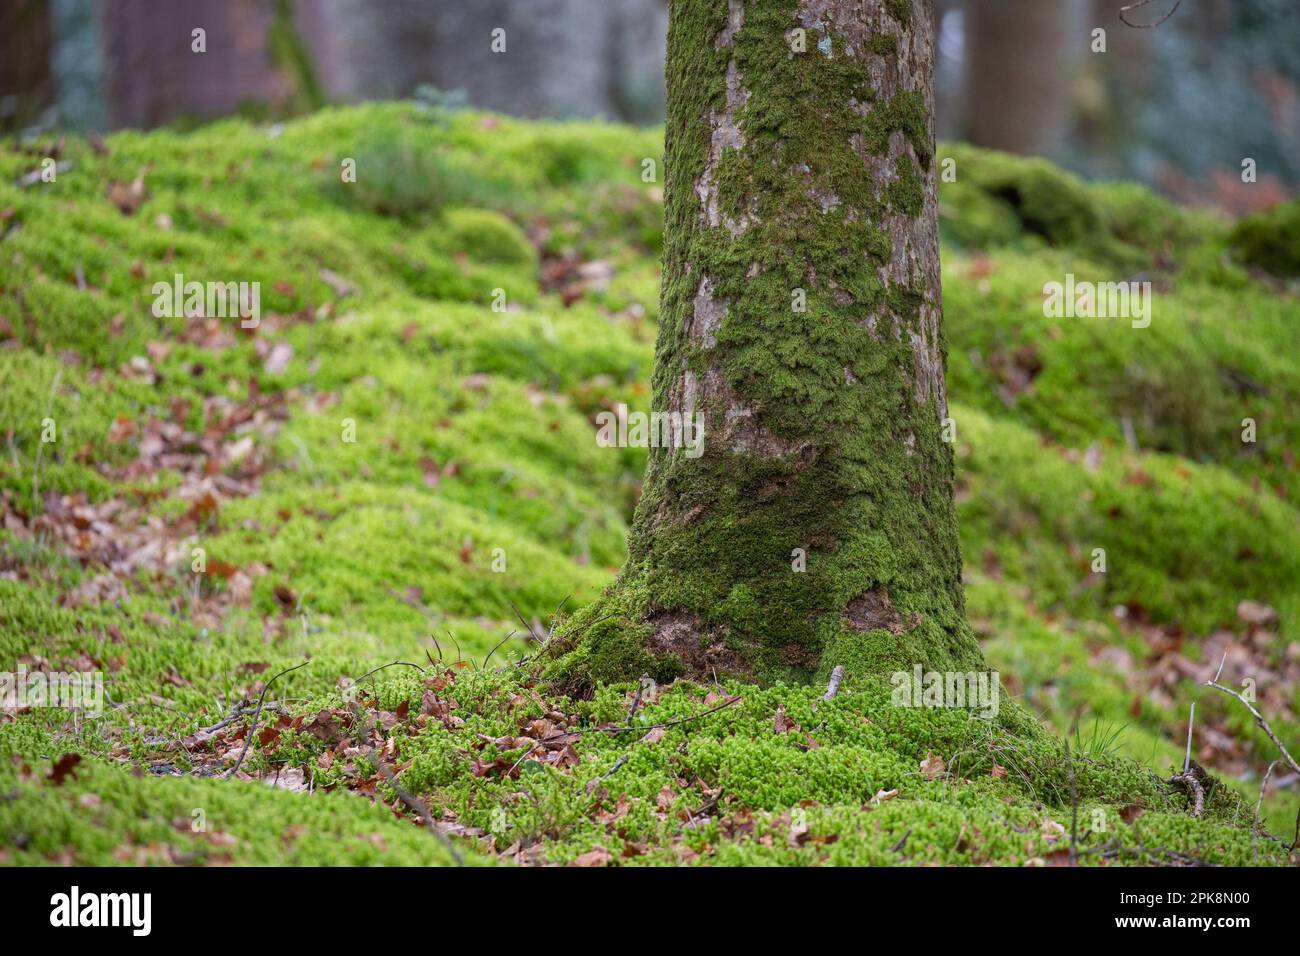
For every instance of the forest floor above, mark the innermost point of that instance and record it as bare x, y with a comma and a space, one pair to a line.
388, 468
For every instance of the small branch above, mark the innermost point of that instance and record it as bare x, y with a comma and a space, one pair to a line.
898, 847
258, 713
497, 648
623, 730
833, 687
1189, 782
1138, 6
527, 753
389, 664
608, 773
365, 725
528, 627
636, 698
1259, 720
34, 177
1254, 826
1074, 804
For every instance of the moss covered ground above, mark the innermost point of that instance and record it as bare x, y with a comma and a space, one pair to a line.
399, 463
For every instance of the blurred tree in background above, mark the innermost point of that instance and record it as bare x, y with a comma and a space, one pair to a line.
1178, 106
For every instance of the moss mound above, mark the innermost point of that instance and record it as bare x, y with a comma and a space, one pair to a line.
1271, 240
401, 455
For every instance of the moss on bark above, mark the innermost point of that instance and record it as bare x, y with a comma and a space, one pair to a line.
800, 173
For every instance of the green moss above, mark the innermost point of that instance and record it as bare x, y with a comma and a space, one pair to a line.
486, 236
901, 11
473, 431
108, 816
1271, 240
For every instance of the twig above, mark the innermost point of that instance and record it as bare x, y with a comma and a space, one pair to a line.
225, 722
623, 730
1189, 781
833, 687
258, 713
1143, 3
1074, 802
609, 773
551, 633
898, 847
527, 626
636, 698
1259, 719
527, 753
414, 803
34, 177
389, 664
1254, 826
498, 647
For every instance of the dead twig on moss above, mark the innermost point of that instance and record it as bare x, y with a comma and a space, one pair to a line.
383, 666
498, 647
623, 730
1259, 718
1254, 825
1074, 797
636, 698
833, 687
1138, 6
258, 713
365, 724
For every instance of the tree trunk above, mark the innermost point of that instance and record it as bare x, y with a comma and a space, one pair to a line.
155, 76
793, 178
1019, 67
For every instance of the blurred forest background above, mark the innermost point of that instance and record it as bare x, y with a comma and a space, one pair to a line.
1188, 99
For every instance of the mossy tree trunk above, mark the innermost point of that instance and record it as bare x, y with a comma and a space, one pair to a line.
801, 319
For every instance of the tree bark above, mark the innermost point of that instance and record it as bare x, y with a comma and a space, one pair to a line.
793, 174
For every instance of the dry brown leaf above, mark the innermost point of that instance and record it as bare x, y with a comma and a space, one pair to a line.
932, 767
597, 857
784, 723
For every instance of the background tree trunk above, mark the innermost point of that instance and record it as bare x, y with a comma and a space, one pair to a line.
26, 83
794, 175
253, 56
1020, 63
562, 57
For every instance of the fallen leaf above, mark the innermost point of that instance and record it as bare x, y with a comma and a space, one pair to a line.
341, 286
783, 723
65, 765
597, 857
932, 767
277, 360
1252, 612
